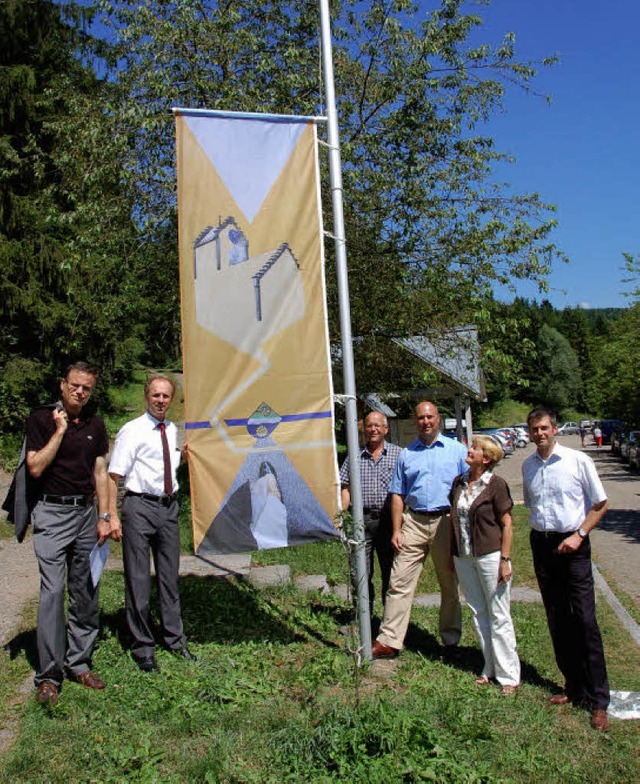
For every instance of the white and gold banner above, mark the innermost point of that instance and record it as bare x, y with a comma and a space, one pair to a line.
257, 381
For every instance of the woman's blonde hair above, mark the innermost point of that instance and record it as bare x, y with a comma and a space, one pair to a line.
491, 449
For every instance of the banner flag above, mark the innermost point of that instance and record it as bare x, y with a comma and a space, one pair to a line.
257, 375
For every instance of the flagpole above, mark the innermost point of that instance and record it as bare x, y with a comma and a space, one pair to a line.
351, 409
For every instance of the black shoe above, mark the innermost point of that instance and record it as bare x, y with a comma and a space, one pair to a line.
148, 665
184, 653
452, 654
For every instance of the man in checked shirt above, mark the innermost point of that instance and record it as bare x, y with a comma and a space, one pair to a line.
377, 465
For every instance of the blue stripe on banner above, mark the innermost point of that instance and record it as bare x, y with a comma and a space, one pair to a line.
196, 425
316, 415
285, 418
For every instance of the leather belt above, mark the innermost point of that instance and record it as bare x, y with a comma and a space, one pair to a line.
371, 512
165, 500
550, 534
66, 500
435, 513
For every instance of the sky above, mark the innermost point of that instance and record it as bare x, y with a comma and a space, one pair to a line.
581, 152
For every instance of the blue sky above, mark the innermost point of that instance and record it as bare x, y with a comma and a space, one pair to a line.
581, 152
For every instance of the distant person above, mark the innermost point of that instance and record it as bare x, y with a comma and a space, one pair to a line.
378, 460
567, 500
597, 436
582, 430
482, 530
66, 455
419, 514
145, 454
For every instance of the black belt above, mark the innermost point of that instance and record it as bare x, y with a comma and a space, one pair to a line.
434, 513
67, 500
372, 512
165, 500
550, 534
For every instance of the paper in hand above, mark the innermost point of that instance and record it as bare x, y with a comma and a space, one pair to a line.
97, 560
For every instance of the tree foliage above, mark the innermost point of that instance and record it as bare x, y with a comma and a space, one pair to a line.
69, 287
428, 230
87, 181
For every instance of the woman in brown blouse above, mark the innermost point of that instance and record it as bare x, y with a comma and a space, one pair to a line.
481, 526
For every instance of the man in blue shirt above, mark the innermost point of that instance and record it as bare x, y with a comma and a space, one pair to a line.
419, 513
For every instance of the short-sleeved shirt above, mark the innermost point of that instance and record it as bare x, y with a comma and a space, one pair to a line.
71, 471
560, 490
137, 455
424, 473
375, 476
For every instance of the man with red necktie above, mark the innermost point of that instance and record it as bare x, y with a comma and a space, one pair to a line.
145, 454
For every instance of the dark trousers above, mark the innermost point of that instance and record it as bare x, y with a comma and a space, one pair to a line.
149, 526
377, 539
566, 585
63, 537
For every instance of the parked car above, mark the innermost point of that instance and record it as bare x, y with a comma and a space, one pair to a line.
617, 437
507, 443
608, 426
522, 435
587, 424
568, 428
634, 456
628, 442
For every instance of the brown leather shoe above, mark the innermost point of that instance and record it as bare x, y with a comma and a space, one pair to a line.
47, 693
559, 699
89, 680
380, 651
599, 720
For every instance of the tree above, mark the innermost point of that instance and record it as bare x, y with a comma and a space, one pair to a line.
429, 232
617, 356
558, 371
67, 236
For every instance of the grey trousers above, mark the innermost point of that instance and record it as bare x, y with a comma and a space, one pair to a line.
149, 526
63, 537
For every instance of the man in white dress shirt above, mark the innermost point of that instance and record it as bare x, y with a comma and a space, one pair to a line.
567, 500
145, 454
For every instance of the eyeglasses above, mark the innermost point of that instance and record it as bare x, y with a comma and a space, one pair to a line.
78, 387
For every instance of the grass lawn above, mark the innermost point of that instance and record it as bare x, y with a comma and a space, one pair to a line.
275, 697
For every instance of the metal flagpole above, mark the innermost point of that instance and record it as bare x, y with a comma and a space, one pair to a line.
335, 169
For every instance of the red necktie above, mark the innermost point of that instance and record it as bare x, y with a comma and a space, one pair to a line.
166, 459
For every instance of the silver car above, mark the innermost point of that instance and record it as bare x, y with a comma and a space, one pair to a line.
569, 429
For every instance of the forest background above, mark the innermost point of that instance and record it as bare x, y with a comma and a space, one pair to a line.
88, 235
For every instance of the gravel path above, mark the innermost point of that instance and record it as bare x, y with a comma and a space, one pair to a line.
615, 541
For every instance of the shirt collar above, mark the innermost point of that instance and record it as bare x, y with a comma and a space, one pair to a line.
484, 479
556, 453
366, 450
155, 422
436, 440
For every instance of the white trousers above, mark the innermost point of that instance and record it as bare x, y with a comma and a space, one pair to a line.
490, 605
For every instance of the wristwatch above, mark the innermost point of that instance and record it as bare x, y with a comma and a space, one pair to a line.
106, 517
582, 534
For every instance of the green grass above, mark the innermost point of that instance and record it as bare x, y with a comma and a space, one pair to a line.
329, 558
275, 697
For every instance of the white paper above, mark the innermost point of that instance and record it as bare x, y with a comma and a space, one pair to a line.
97, 560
